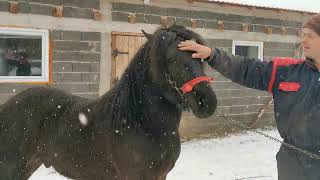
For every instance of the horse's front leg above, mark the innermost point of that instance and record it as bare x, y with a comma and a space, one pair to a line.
163, 175
30, 167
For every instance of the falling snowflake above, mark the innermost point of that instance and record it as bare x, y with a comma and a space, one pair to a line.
13, 90
83, 119
59, 106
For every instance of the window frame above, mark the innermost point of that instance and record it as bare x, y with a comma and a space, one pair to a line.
249, 43
45, 55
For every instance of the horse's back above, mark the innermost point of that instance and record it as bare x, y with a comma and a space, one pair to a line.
23, 117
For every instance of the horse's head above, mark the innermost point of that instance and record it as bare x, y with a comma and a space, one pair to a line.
180, 76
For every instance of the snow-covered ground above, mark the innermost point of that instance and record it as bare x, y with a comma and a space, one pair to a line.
247, 156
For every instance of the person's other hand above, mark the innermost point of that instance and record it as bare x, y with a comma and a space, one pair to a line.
201, 51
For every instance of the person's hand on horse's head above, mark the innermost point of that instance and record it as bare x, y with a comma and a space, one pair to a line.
201, 51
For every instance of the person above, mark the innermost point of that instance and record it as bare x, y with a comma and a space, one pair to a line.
295, 85
23, 66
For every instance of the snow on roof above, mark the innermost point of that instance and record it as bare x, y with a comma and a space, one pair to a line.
311, 6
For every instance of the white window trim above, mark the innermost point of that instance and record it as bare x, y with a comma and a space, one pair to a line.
248, 43
44, 54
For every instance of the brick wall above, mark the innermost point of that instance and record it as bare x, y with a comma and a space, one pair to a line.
71, 8
272, 49
76, 62
205, 19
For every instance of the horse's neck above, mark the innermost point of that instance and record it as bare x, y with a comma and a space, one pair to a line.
164, 117
156, 114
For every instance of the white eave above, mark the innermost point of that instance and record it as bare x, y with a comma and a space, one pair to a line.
310, 6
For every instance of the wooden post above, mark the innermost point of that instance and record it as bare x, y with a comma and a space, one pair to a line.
252, 8
97, 15
132, 18
284, 31
14, 7
194, 23
279, 11
298, 32
220, 25
269, 30
245, 27
57, 11
164, 21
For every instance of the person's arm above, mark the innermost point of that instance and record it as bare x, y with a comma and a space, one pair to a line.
252, 73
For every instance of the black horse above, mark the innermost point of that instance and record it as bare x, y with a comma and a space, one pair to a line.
130, 133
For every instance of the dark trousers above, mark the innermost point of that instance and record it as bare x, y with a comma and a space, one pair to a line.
293, 165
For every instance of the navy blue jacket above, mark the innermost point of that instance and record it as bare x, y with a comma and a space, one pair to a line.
295, 85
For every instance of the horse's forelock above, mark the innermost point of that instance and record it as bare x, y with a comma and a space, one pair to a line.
161, 41
171, 33
186, 34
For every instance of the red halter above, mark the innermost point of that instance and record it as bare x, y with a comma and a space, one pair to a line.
188, 86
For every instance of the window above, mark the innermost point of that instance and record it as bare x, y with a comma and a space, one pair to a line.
24, 55
248, 49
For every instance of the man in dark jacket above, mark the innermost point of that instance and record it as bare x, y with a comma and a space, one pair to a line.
295, 85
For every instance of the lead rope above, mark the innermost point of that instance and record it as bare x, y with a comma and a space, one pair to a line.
290, 146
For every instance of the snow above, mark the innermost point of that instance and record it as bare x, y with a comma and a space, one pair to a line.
246, 156
83, 119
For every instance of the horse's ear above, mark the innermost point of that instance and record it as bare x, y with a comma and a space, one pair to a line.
148, 36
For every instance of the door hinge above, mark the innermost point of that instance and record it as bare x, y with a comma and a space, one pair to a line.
116, 52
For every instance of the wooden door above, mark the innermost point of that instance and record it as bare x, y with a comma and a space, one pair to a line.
124, 47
